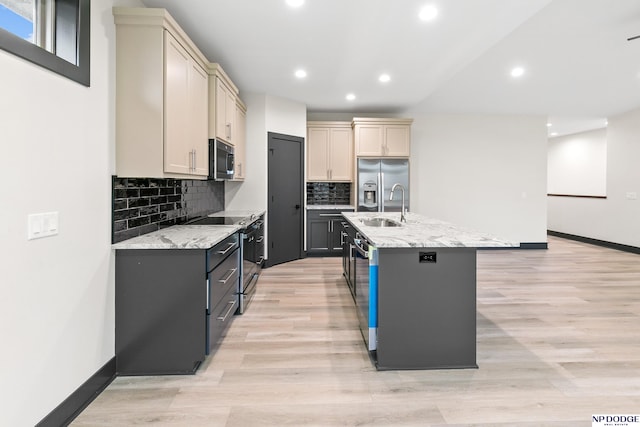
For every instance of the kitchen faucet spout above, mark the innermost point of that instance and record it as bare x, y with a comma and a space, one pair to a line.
402, 209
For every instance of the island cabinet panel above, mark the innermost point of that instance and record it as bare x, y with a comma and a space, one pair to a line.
426, 310
160, 302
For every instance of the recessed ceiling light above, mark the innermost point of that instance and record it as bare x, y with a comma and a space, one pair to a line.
301, 74
295, 3
428, 13
517, 72
384, 78
554, 134
350, 97
549, 125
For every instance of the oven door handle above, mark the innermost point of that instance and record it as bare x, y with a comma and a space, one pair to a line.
360, 248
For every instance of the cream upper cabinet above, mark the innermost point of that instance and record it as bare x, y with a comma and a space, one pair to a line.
225, 114
223, 95
240, 132
329, 152
382, 137
186, 112
162, 98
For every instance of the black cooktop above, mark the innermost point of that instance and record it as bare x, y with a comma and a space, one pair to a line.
216, 220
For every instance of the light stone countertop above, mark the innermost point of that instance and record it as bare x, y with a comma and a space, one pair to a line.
180, 237
188, 236
337, 207
421, 232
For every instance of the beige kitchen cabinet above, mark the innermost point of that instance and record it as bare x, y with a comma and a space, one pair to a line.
329, 152
222, 95
240, 133
374, 137
161, 98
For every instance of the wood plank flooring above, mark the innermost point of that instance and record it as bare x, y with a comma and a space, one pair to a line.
558, 341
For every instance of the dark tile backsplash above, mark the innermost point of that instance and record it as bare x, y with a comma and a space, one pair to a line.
328, 193
143, 205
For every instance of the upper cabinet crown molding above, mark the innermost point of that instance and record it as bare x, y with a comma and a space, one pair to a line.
158, 17
382, 137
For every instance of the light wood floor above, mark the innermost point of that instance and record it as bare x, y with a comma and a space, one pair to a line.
558, 341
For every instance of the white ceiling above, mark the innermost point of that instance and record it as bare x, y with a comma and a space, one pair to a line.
578, 62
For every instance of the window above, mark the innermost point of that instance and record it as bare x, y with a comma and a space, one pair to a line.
54, 34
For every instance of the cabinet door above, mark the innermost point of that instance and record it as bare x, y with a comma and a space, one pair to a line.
397, 141
318, 235
240, 144
369, 140
317, 154
340, 155
176, 106
224, 101
230, 115
199, 103
336, 236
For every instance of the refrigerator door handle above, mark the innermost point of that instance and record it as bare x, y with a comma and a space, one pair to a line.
381, 193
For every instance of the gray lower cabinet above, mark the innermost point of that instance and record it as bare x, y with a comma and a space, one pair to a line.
173, 306
324, 231
160, 311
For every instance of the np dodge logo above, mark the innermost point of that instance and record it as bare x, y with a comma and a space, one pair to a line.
615, 420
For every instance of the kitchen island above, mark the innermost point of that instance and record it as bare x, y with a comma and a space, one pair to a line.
415, 289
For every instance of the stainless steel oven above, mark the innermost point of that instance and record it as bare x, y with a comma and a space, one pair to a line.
221, 160
252, 260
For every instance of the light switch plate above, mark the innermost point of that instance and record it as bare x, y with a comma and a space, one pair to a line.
632, 195
42, 225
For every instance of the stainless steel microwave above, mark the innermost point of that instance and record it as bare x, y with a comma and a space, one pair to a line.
220, 160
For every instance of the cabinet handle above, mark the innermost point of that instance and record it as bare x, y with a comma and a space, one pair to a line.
324, 214
194, 159
231, 305
207, 286
240, 169
230, 273
231, 246
228, 125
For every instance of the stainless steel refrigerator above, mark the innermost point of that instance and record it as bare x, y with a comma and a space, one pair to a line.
375, 179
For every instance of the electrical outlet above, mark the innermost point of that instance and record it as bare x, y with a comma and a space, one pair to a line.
42, 225
632, 195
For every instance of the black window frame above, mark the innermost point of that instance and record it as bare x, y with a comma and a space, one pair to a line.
80, 72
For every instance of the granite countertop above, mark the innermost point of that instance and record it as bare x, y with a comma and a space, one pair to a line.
188, 236
337, 207
421, 232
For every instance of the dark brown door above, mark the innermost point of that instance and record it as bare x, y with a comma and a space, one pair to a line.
285, 208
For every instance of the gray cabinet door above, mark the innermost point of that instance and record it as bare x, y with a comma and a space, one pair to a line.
318, 235
160, 304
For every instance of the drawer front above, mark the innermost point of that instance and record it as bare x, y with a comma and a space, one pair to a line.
223, 279
221, 318
222, 250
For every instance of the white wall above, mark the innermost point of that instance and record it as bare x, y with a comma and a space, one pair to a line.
614, 219
265, 113
577, 164
485, 172
57, 305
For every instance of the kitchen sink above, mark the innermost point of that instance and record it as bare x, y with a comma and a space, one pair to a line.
380, 222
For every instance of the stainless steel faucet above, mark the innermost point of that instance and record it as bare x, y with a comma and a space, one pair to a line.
402, 210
